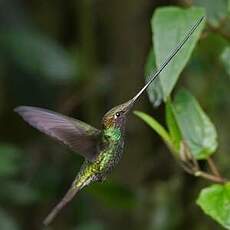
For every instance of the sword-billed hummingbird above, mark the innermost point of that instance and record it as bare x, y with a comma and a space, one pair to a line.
102, 149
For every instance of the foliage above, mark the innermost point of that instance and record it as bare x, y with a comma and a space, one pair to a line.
83, 57
214, 200
165, 39
191, 136
196, 128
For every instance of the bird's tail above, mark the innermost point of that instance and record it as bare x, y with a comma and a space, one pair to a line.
81, 180
66, 199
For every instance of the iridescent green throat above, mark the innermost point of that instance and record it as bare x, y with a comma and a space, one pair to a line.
113, 134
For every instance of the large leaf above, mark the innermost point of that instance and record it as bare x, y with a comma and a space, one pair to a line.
154, 92
215, 202
216, 10
196, 128
170, 24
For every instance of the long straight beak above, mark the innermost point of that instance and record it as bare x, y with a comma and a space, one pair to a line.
156, 73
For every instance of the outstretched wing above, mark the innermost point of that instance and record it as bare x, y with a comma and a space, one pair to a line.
78, 135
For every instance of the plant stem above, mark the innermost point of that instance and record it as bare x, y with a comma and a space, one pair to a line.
191, 166
213, 167
214, 178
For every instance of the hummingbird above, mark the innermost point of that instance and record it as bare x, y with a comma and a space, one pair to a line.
102, 149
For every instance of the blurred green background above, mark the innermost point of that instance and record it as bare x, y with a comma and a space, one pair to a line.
80, 58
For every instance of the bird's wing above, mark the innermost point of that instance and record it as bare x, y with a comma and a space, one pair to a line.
78, 135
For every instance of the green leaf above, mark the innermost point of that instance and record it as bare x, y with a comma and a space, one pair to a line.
215, 202
216, 10
225, 58
155, 125
196, 128
170, 24
154, 93
172, 125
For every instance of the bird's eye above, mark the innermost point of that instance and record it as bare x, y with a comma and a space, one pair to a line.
117, 114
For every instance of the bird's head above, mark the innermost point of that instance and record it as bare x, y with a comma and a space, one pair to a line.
116, 117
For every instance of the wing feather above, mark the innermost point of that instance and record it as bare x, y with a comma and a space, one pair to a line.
78, 135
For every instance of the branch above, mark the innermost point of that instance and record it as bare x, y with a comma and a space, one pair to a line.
213, 178
191, 166
213, 167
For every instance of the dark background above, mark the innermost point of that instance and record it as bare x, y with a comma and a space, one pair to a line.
81, 58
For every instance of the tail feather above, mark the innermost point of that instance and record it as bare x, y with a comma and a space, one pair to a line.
65, 200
